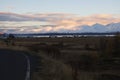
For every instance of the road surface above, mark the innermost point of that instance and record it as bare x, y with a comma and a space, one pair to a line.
14, 65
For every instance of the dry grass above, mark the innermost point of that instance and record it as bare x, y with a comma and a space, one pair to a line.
69, 48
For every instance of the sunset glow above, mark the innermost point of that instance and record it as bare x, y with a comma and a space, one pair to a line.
55, 16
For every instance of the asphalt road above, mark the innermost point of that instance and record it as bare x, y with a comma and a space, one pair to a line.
14, 65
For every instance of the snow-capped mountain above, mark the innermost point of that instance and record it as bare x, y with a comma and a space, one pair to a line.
86, 28
99, 28
113, 27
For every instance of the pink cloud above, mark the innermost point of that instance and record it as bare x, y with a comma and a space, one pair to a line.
61, 21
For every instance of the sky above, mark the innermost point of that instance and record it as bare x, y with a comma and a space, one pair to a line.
81, 7
56, 14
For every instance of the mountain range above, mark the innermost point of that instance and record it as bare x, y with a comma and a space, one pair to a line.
112, 27
96, 28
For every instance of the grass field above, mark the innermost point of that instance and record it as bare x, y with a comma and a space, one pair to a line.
79, 58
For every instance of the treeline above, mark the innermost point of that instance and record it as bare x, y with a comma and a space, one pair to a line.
65, 34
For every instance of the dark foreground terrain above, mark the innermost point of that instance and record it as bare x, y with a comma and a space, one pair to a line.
73, 58
15, 65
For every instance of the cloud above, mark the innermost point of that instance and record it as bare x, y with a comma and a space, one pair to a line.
51, 22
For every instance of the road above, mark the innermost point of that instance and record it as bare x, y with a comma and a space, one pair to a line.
14, 65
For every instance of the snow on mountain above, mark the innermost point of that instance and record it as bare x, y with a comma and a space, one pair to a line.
86, 28
99, 28
113, 27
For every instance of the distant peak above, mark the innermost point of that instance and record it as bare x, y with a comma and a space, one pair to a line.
118, 23
97, 24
